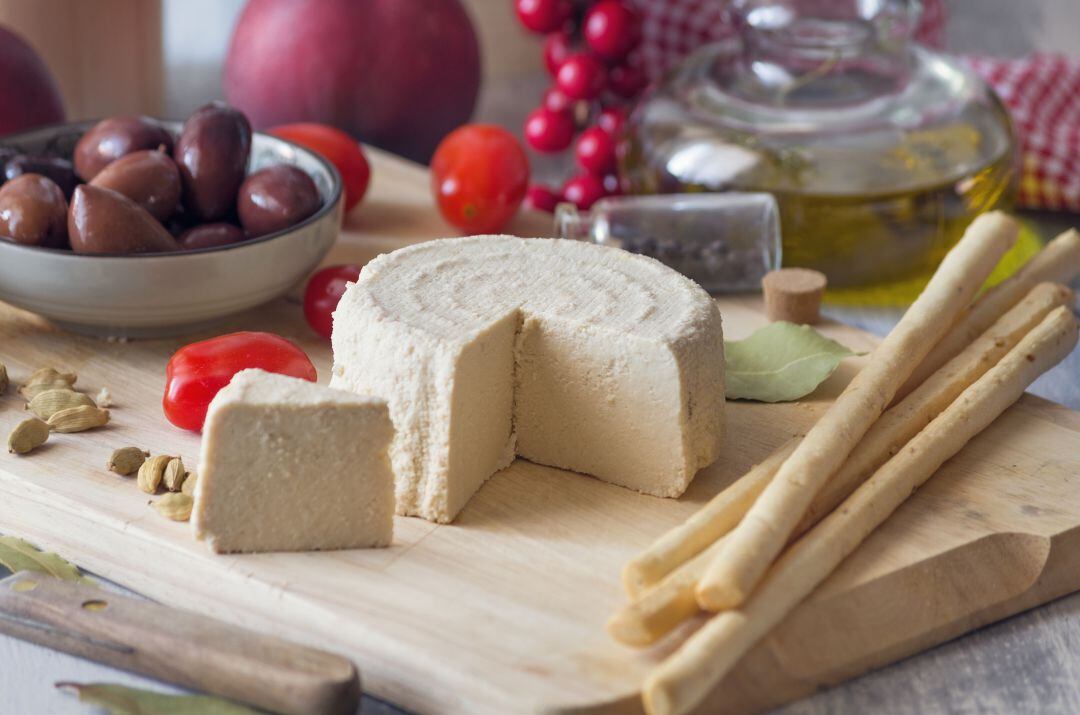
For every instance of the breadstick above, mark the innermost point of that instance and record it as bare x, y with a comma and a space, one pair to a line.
757, 540
683, 680
1060, 260
904, 420
1057, 262
661, 608
704, 527
671, 601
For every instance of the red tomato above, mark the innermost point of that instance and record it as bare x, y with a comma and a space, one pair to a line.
198, 371
479, 175
339, 149
322, 294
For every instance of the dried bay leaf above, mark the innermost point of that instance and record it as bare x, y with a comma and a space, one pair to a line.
19, 555
122, 700
780, 362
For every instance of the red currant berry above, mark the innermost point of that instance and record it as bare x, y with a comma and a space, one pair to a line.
626, 80
557, 47
581, 76
583, 190
542, 198
549, 131
596, 151
612, 29
611, 120
543, 15
612, 185
556, 101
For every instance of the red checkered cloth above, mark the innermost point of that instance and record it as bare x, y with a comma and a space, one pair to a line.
1043, 95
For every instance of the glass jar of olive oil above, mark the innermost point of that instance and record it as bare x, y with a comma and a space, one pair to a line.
878, 151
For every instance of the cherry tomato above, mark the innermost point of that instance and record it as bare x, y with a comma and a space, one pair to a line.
198, 371
339, 149
322, 294
479, 175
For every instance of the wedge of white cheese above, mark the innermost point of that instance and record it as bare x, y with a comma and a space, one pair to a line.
565, 353
288, 465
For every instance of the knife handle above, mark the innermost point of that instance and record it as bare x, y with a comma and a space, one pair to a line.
177, 646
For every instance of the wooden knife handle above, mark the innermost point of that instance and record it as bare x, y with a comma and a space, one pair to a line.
177, 646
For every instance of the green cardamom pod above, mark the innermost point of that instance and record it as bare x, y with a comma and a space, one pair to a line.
27, 436
126, 460
48, 403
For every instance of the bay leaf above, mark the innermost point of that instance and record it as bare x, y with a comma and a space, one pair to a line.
780, 363
19, 555
122, 700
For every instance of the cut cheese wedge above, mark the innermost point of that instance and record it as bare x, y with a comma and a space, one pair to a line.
565, 353
288, 465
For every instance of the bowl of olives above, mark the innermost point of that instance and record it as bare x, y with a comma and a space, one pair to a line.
137, 227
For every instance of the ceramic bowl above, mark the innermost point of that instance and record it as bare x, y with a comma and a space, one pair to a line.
150, 295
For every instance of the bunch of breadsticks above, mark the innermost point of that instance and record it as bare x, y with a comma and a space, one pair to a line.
756, 550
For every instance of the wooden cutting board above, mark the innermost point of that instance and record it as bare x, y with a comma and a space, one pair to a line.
503, 611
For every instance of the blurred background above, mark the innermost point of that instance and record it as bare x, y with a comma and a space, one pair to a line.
164, 57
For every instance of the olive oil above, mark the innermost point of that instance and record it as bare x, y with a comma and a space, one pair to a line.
879, 152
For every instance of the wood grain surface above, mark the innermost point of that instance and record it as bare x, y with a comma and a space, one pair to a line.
503, 610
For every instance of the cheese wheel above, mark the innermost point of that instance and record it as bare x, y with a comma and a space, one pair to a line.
565, 353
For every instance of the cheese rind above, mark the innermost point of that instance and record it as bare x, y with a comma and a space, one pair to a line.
288, 465
566, 353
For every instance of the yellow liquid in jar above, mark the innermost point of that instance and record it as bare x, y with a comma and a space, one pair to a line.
878, 245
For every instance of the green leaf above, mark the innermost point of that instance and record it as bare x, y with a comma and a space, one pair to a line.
122, 700
19, 555
780, 362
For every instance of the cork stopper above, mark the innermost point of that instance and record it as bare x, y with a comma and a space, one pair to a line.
794, 295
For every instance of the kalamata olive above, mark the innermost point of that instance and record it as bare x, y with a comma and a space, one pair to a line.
59, 170
112, 138
33, 211
275, 198
149, 178
212, 153
103, 221
210, 235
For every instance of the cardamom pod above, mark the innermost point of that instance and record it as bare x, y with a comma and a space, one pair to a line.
152, 472
46, 404
189, 485
3, 378
126, 460
176, 506
78, 419
27, 436
46, 378
104, 398
32, 389
173, 478
51, 373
